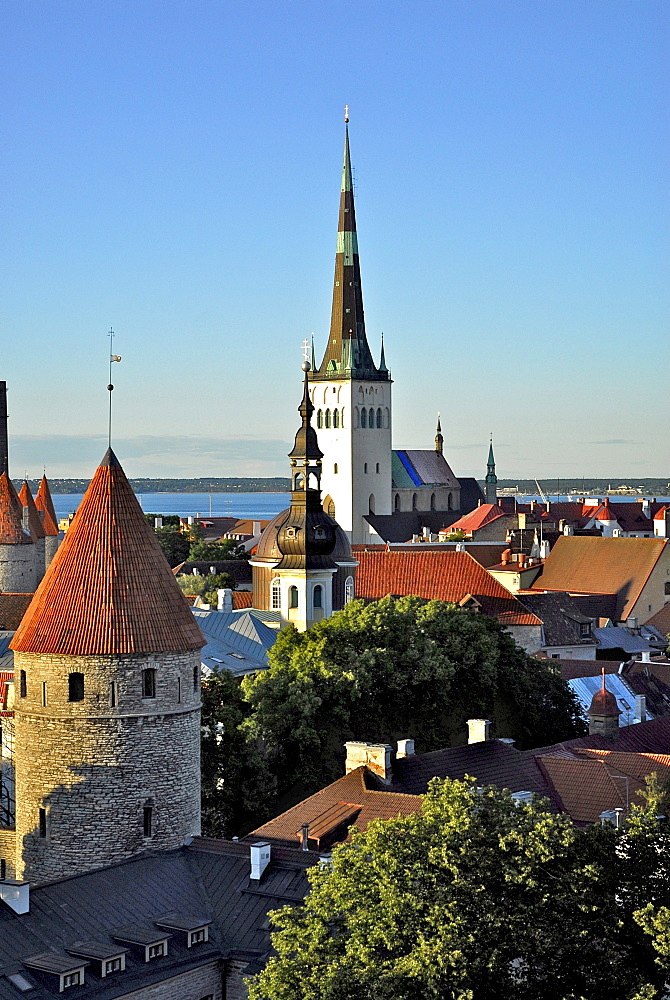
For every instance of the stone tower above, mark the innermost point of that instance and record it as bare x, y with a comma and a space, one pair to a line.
351, 395
45, 506
107, 708
17, 549
36, 529
303, 566
491, 481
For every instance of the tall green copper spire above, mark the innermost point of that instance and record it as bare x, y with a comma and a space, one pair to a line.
347, 354
491, 480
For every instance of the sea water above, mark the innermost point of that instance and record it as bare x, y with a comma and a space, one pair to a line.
255, 506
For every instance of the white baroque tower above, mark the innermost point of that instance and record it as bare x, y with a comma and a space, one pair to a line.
350, 394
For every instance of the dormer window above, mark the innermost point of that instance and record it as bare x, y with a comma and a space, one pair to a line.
585, 630
194, 928
198, 936
146, 939
70, 971
156, 950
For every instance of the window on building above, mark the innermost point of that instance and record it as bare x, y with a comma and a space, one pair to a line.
432, 501
196, 677
371, 417
377, 468
396, 502
20, 982
198, 936
371, 503
450, 502
112, 694
3, 869
43, 822
178, 689
379, 417
667, 589
75, 687
156, 950
319, 418
113, 965
293, 597
365, 466
318, 596
348, 589
336, 418
335, 468
44, 693
364, 417
148, 821
149, 683
585, 629
71, 979
275, 594
414, 501
23, 687
327, 420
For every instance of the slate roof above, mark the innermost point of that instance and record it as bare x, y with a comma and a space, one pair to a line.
402, 525
11, 515
209, 878
471, 493
437, 575
478, 518
561, 619
12, 609
108, 589
602, 565
620, 637
419, 467
491, 762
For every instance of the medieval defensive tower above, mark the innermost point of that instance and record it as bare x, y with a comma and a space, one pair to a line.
107, 722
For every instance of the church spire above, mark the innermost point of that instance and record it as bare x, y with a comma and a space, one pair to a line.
491, 480
348, 353
439, 440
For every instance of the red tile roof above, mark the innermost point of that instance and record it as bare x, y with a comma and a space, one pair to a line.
592, 565
477, 518
440, 576
242, 599
6, 678
44, 503
660, 513
12, 609
11, 515
34, 519
108, 589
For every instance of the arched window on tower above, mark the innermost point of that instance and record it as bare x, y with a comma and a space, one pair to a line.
356, 417
348, 589
293, 597
327, 418
414, 501
432, 501
319, 418
387, 417
379, 417
396, 502
275, 595
329, 505
364, 417
450, 502
336, 418
371, 503
317, 597
371, 418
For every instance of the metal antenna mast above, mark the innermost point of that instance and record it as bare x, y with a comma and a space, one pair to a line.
112, 358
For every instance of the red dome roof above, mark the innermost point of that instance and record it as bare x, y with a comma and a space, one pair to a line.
604, 702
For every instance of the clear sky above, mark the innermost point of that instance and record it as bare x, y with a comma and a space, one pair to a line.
171, 169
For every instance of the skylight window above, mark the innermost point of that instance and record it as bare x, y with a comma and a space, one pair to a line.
20, 982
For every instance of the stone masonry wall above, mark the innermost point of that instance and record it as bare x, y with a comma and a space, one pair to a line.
17, 569
236, 987
51, 543
93, 766
194, 985
8, 852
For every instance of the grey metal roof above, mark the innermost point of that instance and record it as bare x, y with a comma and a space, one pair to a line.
54, 961
561, 619
140, 934
433, 468
584, 689
235, 640
97, 950
620, 637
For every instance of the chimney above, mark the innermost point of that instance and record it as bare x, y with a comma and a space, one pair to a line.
646, 656
4, 444
158, 523
631, 625
304, 837
504, 559
225, 599
640, 708
479, 730
405, 749
375, 756
568, 529
522, 560
260, 858
544, 549
190, 520
256, 530
460, 546
533, 505
15, 894
646, 507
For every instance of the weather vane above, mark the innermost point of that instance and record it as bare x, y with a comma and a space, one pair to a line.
346, 114
112, 358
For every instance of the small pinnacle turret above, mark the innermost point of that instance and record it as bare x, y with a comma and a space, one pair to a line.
491, 480
347, 353
439, 440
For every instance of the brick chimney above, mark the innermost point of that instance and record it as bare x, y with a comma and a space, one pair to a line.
375, 756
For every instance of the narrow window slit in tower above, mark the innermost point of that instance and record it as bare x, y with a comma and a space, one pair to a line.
149, 683
195, 678
43, 822
147, 820
76, 687
112, 694
44, 693
22, 684
179, 689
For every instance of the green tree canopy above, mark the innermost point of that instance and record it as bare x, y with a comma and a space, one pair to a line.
174, 543
477, 898
392, 669
203, 586
227, 548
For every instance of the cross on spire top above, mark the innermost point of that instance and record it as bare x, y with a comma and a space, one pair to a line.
346, 114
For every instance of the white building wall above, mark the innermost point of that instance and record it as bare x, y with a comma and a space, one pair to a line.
361, 455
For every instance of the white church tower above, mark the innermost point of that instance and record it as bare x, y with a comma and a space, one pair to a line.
351, 395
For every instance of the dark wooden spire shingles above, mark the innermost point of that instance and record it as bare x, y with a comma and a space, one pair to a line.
109, 588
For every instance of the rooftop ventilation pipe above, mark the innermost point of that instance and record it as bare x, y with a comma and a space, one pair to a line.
640, 708
304, 837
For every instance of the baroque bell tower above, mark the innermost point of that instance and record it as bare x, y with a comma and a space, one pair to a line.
350, 394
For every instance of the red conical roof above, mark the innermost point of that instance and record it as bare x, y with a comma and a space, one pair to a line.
604, 702
44, 503
34, 519
11, 515
109, 589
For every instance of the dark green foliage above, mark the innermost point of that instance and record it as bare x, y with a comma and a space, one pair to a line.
174, 543
227, 548
392, 669
236, 785
477, 898
169, 520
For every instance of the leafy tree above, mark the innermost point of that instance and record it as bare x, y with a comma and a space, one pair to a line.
397, 668
236, 784
169, 520
472, 897
174, 543
205, 586
227, 548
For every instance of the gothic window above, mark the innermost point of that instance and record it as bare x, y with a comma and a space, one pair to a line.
348, 589
379, 417
149, 683
377, 468
23, 687
335, 468
371, 418
275, 594
387, 417
450, 502
329, 505
327, 421
75, 687
336, 418
396, 502
371, 503
342, 417
318, 596
365, 466
319, 418
293, 597
364, 417
432, 501
414, 501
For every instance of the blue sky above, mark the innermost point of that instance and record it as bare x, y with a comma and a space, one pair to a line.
171, 169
